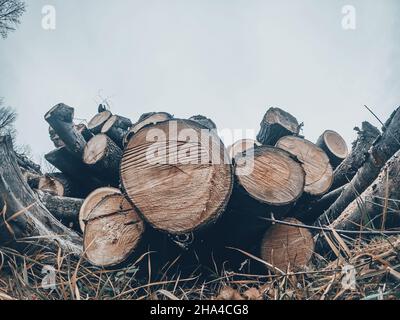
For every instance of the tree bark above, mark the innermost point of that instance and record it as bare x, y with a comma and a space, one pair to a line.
84, 131
204, 121
103, 156
334, 146
116, 128
240, 146
381, 151
60, 119
28, 222
64, 209
275, 125
314, 208
179, 186
319, 173
349, 167
113, 232
73, 167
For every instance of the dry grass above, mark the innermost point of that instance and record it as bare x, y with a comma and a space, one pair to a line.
375, 265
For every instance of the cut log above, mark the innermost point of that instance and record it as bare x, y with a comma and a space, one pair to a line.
314, 208
349, 167
147, 119
378, 207
98, 121
113, 232
240, 146
60, 119
27, 164
58, 143
31, 178
319, 172
84, 131
58, 184
275, 125
71, 166
204, 121
116, 128
92, 200
103, 156
334, 146
381, 151
28, 222
287, 247
270, 175
64, 209
178, 184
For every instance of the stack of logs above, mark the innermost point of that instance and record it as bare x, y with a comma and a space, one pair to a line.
117, 181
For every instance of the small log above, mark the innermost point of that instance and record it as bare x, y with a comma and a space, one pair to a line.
178, 185
113, 232
58, 184
92, 200
98, 121
275, 125
334, 146
116, 128
103, 156
349, 167
313, 209
31, 178
34, 225
319, 173
27, 164
146, 119
64, 209
204, 121
60, 119
270, 175
58, 143
240, 146
287, 247
71, 166
381, 151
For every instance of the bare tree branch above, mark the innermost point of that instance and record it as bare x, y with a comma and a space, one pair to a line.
10, 14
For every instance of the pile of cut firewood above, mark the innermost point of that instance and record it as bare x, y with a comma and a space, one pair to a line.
121, 185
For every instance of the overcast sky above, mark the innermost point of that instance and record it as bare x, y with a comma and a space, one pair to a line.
227, 59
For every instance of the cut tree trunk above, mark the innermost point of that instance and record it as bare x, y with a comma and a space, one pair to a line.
58, 143
240, 146
349, 167
71, 166
116, 128
287, 247
92, 200
98, 121
381, 151
204, 121
65, 209
27, 221
319, 173
270, 175
60, 119
104, 157
112, 232
178, 185
334, 146
58, 184
275, 125
312, 210
146, 119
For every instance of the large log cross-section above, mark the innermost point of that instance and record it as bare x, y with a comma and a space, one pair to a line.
25, 220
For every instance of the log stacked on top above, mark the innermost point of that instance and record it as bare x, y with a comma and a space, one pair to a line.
175, 177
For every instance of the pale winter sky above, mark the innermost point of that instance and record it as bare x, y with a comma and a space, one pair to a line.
227, 59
